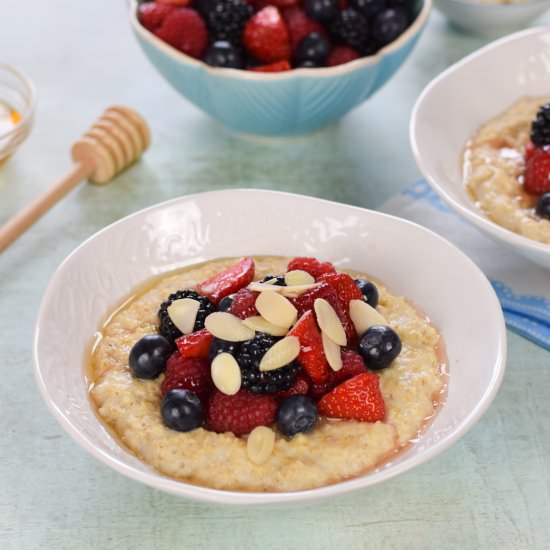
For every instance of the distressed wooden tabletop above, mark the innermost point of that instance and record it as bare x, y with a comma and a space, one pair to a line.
491, 490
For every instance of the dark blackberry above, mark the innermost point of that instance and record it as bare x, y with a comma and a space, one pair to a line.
222, 346
388, 25
167, 327
249, 357
369, 8
279, 280
540, 127
225, 303
226, 19
351, 28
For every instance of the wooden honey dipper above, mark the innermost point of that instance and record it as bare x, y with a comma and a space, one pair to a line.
116, 140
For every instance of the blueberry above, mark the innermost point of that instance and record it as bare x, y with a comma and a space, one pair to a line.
314, 47
369, 8
148, 356
389, 24
222, 346
369, 290
296, 414
379, 346
225, 303
322, 10
223, 54
181, 410
307, 64
543, 206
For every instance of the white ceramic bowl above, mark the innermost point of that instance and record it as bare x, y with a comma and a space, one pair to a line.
456, 103
410, 259
491, 19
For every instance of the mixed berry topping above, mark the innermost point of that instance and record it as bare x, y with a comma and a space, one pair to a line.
540, 127
277, 35
277, 354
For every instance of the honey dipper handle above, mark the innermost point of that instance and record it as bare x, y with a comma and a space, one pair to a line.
13, 228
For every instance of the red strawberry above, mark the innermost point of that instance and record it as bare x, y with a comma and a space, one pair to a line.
229, 281
537, 172
195, 344
300, 387
312, 357
358, 398
244, 304
266, 36
187, 373
185, 30
342, 54
313, 266
152, 14
345, 287
299, 25
530, 149
240, 413
273, 67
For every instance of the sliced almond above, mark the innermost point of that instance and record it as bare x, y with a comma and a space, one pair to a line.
228, 327
226, 374
364, 316
260, 444
183, 314
280, 354
276, 309
259, 324
298, 277
332, 353
295, 291
263, 287
329, 321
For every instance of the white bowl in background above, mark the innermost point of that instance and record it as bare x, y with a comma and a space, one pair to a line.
412, 260
457, 102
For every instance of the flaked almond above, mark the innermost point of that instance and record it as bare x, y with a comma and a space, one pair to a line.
329, 321
226, 374
364, 316
183, 313
276, 309
332, 353
298, 277
295, 291
263, 287
280, 354
228, 327
259, 324
260, 444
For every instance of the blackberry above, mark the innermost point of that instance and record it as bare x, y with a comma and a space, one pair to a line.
249, 357
388, 25
167, 327
222, 346
540, 127
226, 19
351, 28
279, 280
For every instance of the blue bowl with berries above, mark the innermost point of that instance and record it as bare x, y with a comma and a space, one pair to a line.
277, 70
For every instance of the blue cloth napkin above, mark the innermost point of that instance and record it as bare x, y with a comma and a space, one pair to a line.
522, 287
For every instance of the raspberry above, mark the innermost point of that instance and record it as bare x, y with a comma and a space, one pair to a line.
313, 266
185, 30
345, 287
300, 387
240, 413
266, 36
299, 25
342, 54
196, 344
243, 304
187, 373
277, 67
537, 172
152, 14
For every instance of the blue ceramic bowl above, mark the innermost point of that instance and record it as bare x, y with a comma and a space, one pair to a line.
278, 104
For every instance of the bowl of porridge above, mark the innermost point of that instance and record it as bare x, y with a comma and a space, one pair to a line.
480, 161
252, 347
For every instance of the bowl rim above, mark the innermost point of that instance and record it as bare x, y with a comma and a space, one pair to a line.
472, 214
215, 496
322, 72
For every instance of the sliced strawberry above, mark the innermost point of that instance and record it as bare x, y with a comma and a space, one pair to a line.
300, 387
537, 172
266, 36
277, 67
358, 398
299, 25
195, 344
312, 357
187, 373
229, 281
244, 304
313, 266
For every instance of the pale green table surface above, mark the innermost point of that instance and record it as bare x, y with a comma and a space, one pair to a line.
491, 490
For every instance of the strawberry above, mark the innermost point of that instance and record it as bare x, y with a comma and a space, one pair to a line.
195, 344
240, 413
187, 373
152, 14
299, 25
277, 67
185, 30
311, 357
342, 54
300, 387
229, 281
313, 266
345, 287
358, 398
266, 36
537, 172
244, 304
